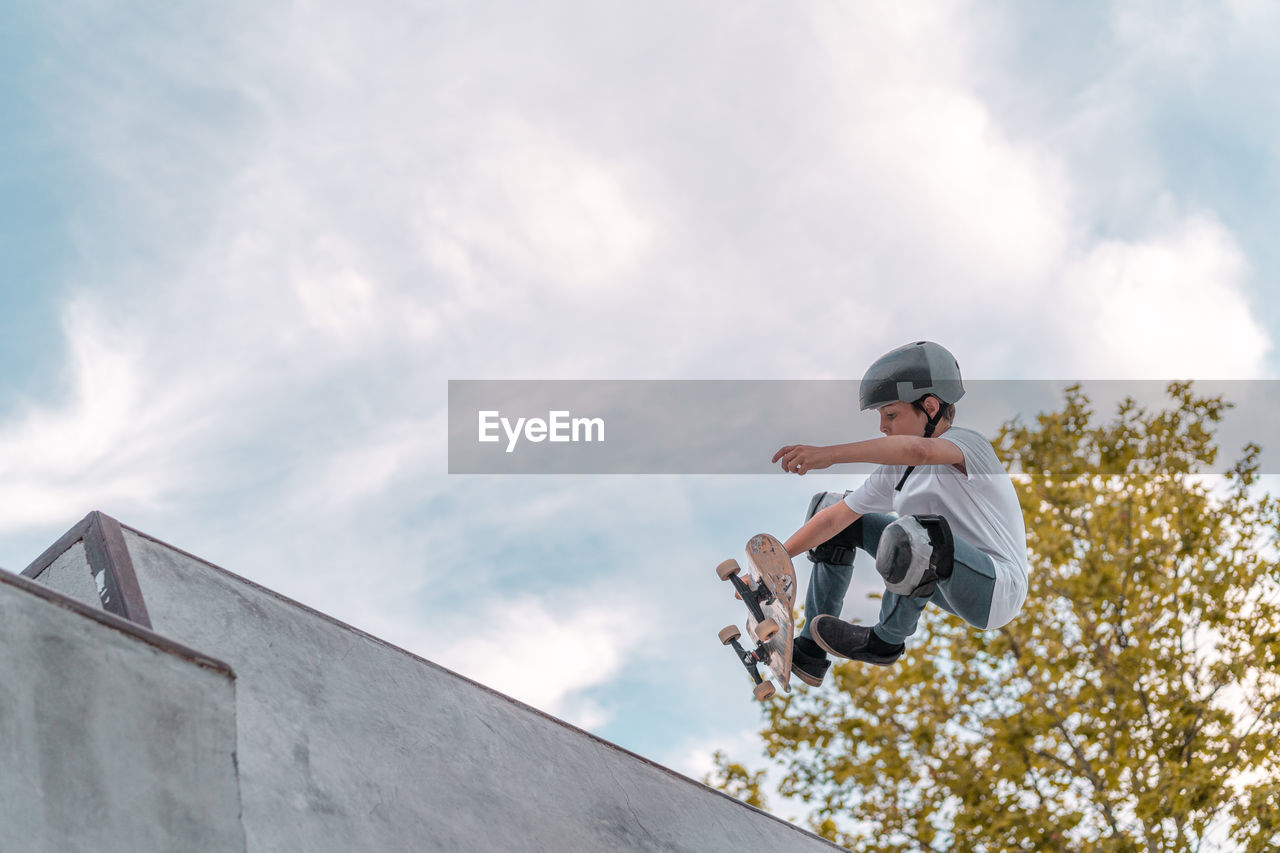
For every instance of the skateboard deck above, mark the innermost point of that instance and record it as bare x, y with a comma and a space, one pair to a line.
769, 590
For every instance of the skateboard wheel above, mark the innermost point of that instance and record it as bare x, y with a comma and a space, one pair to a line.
766, 630
764, 690
727, 568
729, 633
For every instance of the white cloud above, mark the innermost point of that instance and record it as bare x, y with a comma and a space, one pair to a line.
549, 652
341, 302
106, 438
947, 186
534, 205
1173, 306
368, 467
965, 199
104, 389
1189, 35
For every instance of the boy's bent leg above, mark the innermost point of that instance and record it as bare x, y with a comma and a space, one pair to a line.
966, 592
833, 562
827, 632
832, 570
828, 584
970, 589
899, 616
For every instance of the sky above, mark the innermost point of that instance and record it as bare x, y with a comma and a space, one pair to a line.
246, 246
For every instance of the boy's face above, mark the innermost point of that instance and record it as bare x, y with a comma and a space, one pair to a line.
902, 419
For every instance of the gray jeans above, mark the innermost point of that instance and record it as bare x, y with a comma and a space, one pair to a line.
967, 593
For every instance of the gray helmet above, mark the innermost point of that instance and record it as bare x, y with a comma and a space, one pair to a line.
910, 372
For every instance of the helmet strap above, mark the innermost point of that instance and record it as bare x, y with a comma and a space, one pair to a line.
934, 419
929, 427
932, 424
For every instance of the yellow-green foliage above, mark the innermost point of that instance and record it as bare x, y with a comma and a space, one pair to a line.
1134, 702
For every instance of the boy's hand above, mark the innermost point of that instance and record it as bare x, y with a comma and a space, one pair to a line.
799, 458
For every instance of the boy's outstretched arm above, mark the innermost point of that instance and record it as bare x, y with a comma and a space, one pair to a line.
890, 450
820, 528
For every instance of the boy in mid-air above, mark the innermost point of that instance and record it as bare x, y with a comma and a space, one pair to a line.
956, 538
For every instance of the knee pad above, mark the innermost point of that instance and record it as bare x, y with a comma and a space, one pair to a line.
915, 553
838, 550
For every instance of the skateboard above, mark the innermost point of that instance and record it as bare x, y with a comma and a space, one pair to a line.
769, 590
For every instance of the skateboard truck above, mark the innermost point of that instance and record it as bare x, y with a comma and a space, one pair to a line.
763, 626
751, 659
754, 597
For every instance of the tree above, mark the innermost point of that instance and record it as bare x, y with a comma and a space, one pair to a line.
1134, 704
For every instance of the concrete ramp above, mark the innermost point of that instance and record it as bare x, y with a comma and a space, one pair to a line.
346, 742
115, 740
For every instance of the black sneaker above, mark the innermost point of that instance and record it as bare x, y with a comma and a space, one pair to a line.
809, 662
855, 642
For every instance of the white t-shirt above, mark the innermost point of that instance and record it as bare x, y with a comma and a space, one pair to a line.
980, 505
